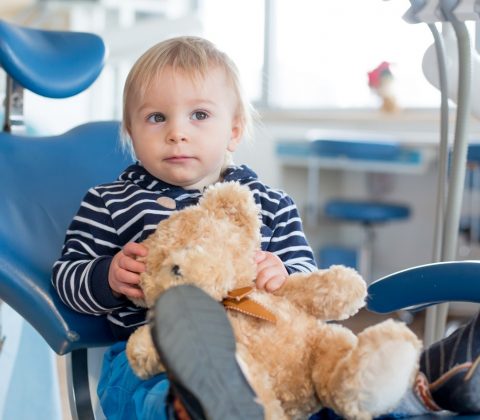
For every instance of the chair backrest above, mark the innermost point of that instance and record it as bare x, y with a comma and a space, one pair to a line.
42, 182
43, 179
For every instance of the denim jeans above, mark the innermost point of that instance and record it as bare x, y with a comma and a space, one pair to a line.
124, 396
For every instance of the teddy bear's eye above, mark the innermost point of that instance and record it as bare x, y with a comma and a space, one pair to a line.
175, 270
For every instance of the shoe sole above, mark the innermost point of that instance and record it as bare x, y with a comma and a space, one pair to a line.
195, 341
458, 390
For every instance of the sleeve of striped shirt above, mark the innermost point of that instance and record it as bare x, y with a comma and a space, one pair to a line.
288, 240
80, 276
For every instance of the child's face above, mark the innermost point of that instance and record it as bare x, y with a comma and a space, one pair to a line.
182, 128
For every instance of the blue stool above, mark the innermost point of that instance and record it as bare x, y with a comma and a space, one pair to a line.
367, 213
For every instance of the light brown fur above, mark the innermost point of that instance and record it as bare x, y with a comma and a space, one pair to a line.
301, 363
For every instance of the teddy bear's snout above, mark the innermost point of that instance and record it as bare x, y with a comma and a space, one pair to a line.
175, 270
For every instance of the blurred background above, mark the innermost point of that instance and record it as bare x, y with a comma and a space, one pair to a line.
303, 56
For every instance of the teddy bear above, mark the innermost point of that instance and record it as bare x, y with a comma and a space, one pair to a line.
297, 362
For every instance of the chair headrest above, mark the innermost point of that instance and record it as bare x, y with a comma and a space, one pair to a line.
54, 64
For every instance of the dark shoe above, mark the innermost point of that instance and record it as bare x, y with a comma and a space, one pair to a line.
452, 366
195, 341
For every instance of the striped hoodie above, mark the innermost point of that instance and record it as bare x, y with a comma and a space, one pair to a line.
111, 215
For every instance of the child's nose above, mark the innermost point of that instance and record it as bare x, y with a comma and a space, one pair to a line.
176, 134
176, 138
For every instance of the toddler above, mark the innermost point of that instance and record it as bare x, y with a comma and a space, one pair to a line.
184, 113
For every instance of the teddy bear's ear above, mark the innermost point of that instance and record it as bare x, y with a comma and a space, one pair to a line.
232, 201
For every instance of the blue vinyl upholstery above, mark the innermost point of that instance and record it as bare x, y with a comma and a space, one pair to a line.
426, 285
51, 63
42, 182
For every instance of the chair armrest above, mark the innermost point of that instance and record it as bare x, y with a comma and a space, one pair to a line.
425, 285
30, 293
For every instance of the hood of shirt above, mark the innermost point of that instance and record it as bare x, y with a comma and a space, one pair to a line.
138, 175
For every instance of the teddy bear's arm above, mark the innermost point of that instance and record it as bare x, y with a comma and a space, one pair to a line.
141, 354
332, 294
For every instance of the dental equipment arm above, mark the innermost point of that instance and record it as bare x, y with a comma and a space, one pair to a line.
459, 155
458, 63
440, 208
429, 67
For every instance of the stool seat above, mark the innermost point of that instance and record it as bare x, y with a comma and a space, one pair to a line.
367, 212
363, 150
53, 64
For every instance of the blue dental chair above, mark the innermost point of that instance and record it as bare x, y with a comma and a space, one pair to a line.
43, 179
42, 182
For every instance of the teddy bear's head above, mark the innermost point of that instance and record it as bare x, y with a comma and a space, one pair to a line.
210, 245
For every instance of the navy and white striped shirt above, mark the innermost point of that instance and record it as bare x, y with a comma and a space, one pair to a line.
111, 215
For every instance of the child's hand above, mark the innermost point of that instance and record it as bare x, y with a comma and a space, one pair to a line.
271, 273
125, 270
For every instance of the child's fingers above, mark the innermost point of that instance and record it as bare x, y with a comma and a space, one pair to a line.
268, 260
259, 256
275, 283
132, 249
132, 265
132, 292
128, 277
126, 283
260, 282
270, 280
266, 264
266, 274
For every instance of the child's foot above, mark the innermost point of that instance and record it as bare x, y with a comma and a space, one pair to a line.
452, 367
196, 344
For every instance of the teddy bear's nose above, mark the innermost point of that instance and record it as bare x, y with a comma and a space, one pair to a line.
175, 270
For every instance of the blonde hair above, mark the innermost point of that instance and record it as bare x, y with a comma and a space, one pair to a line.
195, 57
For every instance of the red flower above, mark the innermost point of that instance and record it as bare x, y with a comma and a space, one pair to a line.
379, 74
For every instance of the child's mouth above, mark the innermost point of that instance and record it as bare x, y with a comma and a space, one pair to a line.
178, 159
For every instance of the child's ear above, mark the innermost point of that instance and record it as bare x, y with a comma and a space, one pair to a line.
237, 133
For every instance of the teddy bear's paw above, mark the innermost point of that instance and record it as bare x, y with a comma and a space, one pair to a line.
141, 354
145, 363
335, 293
379, 370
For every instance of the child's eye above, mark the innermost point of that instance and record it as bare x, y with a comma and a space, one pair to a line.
199, 115
156, 118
